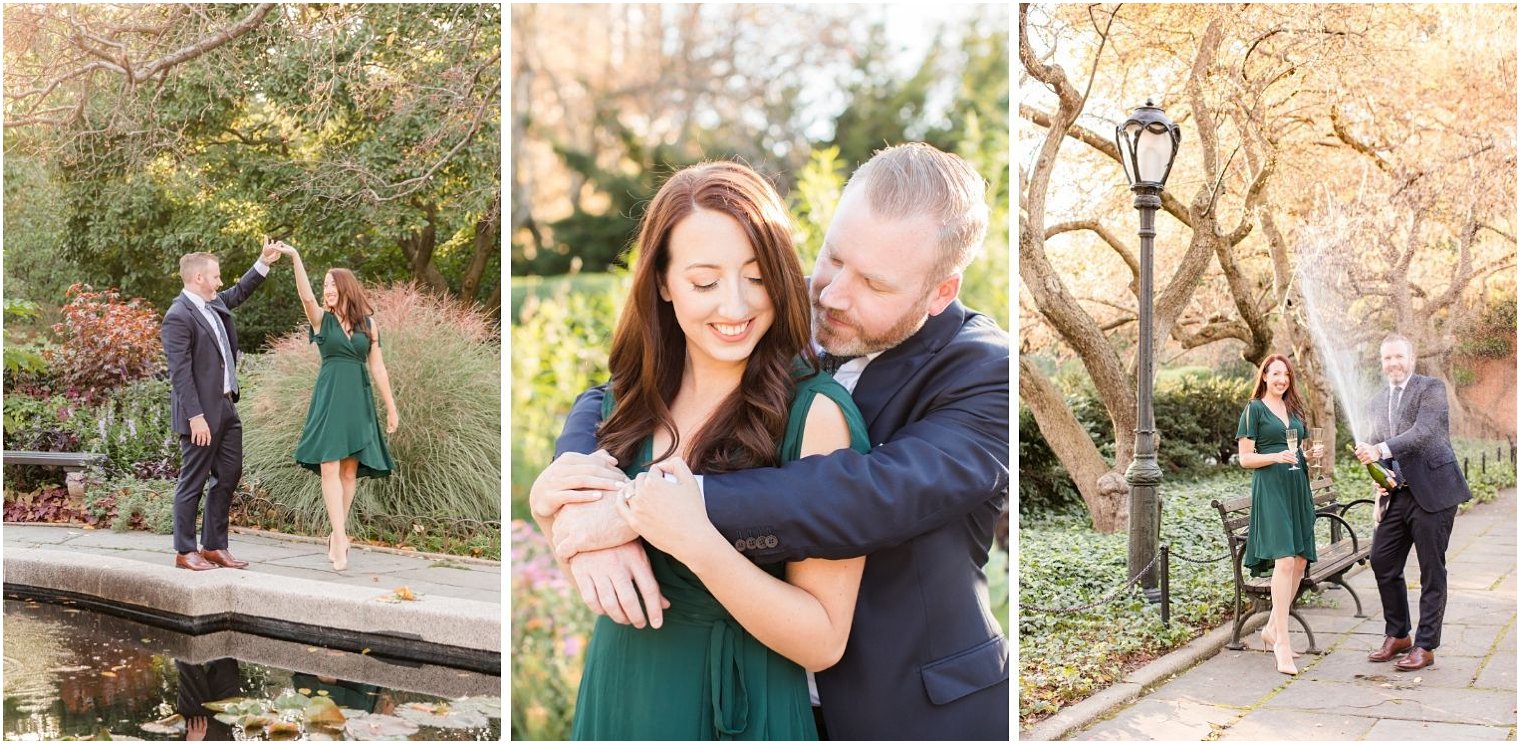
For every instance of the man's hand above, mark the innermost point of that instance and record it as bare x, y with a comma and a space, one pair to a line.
611, 581
271, 252
200, 432
1366, 453
584, 527
574, 478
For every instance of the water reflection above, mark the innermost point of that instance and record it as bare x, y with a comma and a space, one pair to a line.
75, 673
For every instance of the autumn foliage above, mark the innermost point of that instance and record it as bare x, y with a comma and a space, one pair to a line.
105, 342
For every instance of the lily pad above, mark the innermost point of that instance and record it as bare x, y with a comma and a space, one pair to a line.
170, 726
379, 727
489, 707
442, 715
324, 712
283, 731
291, 700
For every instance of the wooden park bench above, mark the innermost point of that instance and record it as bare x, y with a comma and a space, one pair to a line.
1345, 549
73, 463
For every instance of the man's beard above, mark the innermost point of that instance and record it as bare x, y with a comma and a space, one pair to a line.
860, 344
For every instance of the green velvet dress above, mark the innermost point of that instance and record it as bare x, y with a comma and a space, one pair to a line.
1282, 509
701, 676
341, 420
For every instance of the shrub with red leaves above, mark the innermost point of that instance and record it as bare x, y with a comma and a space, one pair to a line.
105, 342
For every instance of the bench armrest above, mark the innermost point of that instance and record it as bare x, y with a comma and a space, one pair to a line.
1355, 544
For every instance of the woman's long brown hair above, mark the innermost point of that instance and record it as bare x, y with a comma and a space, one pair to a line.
352, 306
649, 348
1290, 396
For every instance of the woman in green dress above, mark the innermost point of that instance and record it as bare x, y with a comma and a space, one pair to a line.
1281, 532
711, 365
341, 440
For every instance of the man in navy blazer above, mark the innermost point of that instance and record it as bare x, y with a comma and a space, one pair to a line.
1408, 419
201, 343
925, 659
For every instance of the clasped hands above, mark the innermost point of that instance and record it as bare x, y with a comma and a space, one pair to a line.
597, 515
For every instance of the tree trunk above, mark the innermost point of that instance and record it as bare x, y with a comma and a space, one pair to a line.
1103, 490
487, 243
418, 249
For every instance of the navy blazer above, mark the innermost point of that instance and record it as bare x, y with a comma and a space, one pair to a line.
196, 369
1421, 442
925, 659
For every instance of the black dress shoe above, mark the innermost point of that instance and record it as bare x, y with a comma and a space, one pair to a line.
1391, 647
193, 561
1418, 658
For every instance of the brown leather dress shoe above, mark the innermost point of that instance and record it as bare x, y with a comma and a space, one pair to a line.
192, 561
223, 558
1418, 658
1391, 647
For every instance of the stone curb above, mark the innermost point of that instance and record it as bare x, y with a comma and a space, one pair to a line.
433, 619
1081, 715
288, 537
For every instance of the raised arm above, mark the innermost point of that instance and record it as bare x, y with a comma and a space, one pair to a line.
237, 293
309, 303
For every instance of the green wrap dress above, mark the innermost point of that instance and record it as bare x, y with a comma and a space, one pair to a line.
701, 676
1282, 509
341, 420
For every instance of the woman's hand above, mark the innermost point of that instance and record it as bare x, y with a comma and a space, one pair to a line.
669, 514
286, 249
391, 420
1288, 457
1316, 452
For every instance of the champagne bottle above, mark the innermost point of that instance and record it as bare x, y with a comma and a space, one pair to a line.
1376, 470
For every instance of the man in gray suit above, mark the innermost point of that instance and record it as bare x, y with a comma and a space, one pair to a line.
1408, 420
201, 342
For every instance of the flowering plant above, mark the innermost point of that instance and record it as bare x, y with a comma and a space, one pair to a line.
550, 628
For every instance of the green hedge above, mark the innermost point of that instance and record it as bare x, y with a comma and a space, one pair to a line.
1196, 413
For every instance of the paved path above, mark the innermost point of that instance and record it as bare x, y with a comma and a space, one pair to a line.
1468, 695
285, 555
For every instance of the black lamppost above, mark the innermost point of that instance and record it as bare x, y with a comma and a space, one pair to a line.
1148, 144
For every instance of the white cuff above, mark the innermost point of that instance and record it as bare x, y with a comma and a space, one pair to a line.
1384, 451
261, 267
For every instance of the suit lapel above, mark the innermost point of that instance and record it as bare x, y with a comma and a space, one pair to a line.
199, 318
885, 375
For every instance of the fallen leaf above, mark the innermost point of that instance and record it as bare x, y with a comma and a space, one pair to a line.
108, 674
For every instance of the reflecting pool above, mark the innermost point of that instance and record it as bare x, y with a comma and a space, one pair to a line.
75, 673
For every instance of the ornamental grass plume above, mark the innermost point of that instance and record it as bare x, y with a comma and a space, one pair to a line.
444, 361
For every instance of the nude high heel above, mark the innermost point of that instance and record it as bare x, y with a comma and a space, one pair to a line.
1284, 654
1269, 640
341, 562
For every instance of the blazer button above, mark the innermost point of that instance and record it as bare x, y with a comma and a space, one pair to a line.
751, 543
739, 545
771, 541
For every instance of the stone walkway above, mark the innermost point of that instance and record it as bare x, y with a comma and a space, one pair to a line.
1469, 694
285, 555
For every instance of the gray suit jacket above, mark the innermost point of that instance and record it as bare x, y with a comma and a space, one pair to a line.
1421, 443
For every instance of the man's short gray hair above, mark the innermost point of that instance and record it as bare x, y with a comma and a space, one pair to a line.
916, 179
191, 263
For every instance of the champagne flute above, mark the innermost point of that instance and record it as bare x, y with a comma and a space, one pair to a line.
1293, 444
1316, 438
